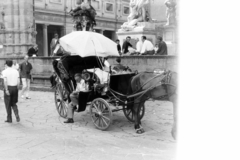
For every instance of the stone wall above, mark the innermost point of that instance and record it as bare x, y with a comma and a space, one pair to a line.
16, 32
42, 66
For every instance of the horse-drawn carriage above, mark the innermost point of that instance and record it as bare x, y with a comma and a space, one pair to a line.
103, 98
125, 91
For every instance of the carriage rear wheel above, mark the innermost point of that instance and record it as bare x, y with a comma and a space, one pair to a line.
129, 115
61, 100
101, 113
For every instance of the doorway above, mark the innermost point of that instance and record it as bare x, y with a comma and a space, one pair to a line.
52, 29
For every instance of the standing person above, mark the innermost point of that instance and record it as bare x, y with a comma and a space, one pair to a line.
74, 97
139, 46
33, 51
54, 43
147, 47
25, 73
126, 44
162, 47
15, 65
118, 46
11, 85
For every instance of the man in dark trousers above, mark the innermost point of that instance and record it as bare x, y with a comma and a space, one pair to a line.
126, 44
162, 47
11, 85
25, 72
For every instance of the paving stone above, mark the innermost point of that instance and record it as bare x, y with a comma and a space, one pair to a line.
41, 134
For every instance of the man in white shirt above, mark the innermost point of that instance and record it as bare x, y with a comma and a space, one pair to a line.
139, 46
81, 86
11, 85
147, 47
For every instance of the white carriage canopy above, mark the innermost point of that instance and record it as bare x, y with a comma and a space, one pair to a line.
85, 44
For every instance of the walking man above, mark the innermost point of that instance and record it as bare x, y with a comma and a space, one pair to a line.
11, 85
25, 72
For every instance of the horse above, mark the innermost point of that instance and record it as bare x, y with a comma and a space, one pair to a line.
154, 86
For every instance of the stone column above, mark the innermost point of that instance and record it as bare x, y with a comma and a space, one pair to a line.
45, 40
17, 16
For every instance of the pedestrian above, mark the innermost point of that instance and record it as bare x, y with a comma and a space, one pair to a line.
54, 43
2, 82
25, 73
147, 47
33, 51
15, 65
119, 47
11, 85
74, 97
126, 44
139, 46
162, 47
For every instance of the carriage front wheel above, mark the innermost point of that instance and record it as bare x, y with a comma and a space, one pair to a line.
101, 113
61, 100
129, 114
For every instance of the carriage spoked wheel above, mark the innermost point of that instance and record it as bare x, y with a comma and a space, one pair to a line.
101, 113
129, 115
61, 100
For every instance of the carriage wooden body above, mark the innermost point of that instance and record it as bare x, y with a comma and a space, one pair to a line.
102, 99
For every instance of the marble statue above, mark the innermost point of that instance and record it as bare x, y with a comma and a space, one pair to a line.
170, 12
137, 14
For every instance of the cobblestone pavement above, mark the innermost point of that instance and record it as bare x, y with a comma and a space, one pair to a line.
41, 134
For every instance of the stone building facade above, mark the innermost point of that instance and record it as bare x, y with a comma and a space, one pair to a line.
26, 22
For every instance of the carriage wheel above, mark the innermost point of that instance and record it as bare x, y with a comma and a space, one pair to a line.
61, 100
129, 115
101, 113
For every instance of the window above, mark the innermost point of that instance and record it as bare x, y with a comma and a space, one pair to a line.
56, 1
126, 10
109, 7
95, 5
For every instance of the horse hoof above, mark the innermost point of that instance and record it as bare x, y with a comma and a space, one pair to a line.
142, 130
139, 131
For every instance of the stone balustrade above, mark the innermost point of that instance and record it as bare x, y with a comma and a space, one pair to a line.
42, 66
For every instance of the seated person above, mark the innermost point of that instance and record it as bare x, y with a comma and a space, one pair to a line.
74, 97
33, 51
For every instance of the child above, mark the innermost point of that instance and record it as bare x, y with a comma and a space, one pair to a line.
74, 97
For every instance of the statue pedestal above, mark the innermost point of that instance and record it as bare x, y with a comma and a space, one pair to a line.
143, 29
170, 37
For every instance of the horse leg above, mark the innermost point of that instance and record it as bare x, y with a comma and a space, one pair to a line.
135, 111
139, 120
136, 114
173, 99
